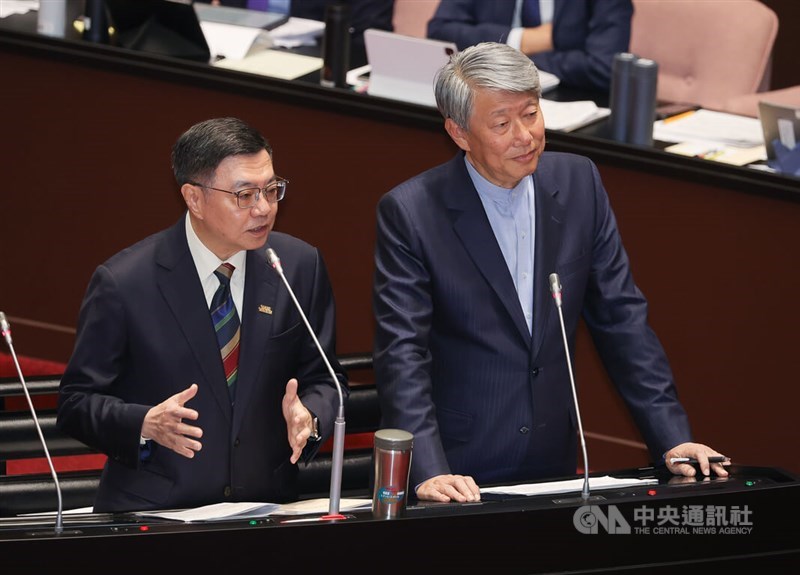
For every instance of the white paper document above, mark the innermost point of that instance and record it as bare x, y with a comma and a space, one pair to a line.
567, 486
249, 510
275, 63
311, 506
548, 81
215, 512
228, 40
8, 7
568, 116
298, 32
725, 154
719, 128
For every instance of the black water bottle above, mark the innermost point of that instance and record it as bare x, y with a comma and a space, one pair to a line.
95, 25
644, 84
620, 97
336, 46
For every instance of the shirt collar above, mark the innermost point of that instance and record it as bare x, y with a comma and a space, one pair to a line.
204, 259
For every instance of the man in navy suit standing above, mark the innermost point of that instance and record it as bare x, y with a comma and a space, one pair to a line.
574, 39
199, 400
468, 353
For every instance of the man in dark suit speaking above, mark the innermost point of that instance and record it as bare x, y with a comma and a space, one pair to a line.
192, 369
469, 355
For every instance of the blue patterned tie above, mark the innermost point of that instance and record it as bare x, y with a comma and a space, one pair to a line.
530, 13
226, 324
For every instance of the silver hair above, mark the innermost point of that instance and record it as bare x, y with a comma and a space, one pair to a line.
488, 65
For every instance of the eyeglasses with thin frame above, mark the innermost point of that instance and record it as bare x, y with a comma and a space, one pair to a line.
248, 197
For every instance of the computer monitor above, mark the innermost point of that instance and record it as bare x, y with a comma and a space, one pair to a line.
164, 27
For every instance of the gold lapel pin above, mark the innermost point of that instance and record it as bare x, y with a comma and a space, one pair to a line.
265, 309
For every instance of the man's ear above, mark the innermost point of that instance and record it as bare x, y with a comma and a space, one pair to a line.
193, 196
457, 133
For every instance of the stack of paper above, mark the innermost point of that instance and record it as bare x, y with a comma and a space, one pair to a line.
568, 116
548, 81
247, 510
275, 63
552, 487
709, 126
715, 136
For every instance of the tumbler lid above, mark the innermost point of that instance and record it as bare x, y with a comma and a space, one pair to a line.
396, 439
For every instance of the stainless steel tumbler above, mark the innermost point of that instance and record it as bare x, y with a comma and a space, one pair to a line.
392, 457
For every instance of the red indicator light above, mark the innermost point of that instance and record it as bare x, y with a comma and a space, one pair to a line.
651, 492
144, 528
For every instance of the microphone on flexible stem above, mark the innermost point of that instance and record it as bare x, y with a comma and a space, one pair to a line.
555, 288
339, 424
5, 330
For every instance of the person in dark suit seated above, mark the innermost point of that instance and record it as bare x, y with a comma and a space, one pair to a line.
192, 368
468, 353
574, 39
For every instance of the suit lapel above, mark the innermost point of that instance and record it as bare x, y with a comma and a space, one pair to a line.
260, 290
549, 217
474, 230
178, 281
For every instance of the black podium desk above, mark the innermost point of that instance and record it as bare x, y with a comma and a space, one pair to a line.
746, 520
87, 136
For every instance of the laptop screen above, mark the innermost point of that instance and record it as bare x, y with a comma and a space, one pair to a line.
781, 126
163, 27
403, 67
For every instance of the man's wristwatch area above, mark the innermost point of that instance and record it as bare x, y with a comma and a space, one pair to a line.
315, 436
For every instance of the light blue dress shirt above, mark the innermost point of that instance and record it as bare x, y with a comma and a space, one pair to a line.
512, 214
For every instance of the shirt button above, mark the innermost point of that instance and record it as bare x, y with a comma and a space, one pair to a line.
523, 430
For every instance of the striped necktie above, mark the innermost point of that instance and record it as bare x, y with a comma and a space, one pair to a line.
530, 14
226, 324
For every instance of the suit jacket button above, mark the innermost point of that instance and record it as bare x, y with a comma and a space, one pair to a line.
523, 430
236, 442
227, 491
535, 371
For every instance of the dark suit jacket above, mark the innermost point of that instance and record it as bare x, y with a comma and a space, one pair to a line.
145, 334
454, 362
586, 34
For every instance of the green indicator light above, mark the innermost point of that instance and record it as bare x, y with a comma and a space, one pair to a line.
253, 522
749, 483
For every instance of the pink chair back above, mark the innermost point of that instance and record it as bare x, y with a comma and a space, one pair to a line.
411, 16
707, 51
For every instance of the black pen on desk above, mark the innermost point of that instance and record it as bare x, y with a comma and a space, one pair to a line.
711, 459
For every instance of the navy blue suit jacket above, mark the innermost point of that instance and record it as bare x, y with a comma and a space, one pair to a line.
586, 34
454, 362
145, 334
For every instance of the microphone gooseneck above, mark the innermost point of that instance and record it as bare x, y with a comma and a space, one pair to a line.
337, 457
5, 330
555, 289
